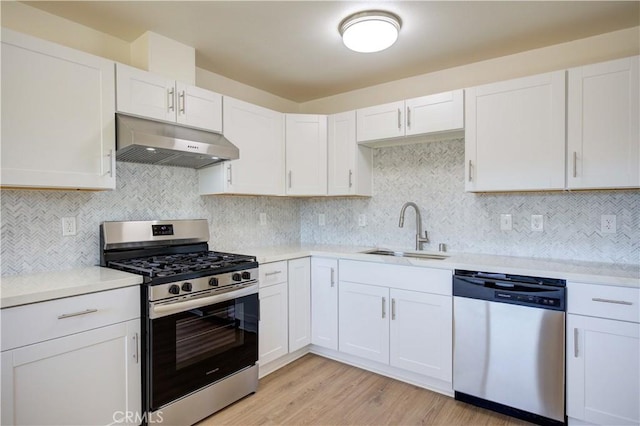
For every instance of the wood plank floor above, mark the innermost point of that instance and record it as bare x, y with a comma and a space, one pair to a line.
317, 391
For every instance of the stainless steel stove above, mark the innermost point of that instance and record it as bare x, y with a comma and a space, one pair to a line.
200, 315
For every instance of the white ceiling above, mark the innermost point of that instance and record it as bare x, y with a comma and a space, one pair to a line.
293, 48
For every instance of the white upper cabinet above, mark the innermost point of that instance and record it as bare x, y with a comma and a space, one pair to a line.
259, 135
349, 165
58, 123
381, 122
515, 134
306, 154
442, 112
149, 95
603, 140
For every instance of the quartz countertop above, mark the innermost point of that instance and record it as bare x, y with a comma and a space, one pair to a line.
31, 288
624, 275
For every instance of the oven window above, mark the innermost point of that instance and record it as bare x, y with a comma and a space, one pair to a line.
195, 348
208, 332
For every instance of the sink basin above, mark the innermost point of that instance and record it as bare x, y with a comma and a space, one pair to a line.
417, 255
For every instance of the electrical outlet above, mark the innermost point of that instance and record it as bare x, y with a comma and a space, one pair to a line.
506, 223
537, 222
362, 220
69, 226
263, 219
322, 220
608, 224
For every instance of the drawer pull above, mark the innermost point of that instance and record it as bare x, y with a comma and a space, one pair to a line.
575, 343
77, 314
617, 302
268, 274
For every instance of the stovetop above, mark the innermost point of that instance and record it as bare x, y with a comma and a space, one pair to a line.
184, 265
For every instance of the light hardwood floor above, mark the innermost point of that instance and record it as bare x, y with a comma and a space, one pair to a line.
317, 391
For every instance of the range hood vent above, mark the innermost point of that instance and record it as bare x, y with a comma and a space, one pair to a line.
140, 140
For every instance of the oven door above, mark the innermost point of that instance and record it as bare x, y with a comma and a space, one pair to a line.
200, 345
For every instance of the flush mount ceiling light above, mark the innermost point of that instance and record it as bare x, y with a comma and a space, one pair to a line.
370, 31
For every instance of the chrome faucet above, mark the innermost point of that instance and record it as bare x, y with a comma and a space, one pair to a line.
419, 238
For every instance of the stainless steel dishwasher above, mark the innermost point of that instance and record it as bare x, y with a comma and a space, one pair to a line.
509, 339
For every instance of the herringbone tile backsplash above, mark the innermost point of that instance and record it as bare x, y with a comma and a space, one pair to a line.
429, 174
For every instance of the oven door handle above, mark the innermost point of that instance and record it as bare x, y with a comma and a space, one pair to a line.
164, 309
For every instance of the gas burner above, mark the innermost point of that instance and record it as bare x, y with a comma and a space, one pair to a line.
180, 264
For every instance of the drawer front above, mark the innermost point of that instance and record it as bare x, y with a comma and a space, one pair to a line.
413, 278
273, 273
621, 303
28, 324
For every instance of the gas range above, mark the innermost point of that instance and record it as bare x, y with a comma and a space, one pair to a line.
200, 315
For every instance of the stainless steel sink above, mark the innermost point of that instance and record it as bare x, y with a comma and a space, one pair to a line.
417, 255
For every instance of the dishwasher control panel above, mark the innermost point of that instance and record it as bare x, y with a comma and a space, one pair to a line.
534, 292
528, 299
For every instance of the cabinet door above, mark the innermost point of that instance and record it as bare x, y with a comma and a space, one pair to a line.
259, 135
515, 134
603, 140
273, 336
198, 107
145, 94
341, 152
324, 302
603, 372
89, 378
363, 321
306, 153
58, 123
380, 122
435, 113
299, 303
421, 333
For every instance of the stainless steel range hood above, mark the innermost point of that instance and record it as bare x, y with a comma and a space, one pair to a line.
140, 140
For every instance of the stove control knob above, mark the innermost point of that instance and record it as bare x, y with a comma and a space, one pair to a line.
236, 277
174, 289
213, 282
186, 286
246, 275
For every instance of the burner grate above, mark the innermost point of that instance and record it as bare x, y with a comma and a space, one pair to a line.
182, 263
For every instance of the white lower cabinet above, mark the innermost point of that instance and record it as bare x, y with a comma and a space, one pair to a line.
274, 315
285, 308
364, 326
397, 315
89, 376
421, 330
603, 355
324, 302
299, 303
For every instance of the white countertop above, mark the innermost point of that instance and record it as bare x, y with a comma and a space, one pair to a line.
624, 275
32, 288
